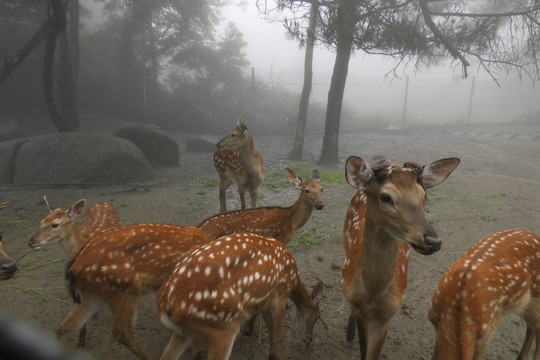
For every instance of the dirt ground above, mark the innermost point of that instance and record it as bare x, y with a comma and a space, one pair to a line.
495, 187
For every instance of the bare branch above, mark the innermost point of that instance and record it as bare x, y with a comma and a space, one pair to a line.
426, 12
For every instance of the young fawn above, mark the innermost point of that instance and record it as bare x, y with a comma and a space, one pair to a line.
59, 226
119, 266
8, 266
236, 161
385, 218
220, 285
275, 222
497, 276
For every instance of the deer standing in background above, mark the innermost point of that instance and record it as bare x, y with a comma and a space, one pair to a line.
219, 286
236, 161
385, 218
8, 266
276, 222
59, 226
497, 276
119, 266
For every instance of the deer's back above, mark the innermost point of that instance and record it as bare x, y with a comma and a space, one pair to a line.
272, 222
136, 257
98, 218
228, 279
498, 274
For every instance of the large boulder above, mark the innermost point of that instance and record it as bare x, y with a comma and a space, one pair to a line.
201, 143
8, 153
160, 149
79, 158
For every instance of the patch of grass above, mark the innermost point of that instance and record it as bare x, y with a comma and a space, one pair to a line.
10, 222
206, 182
306, 238
469, 196
495, 195
333, 177
485, 217
197, 202
39, 263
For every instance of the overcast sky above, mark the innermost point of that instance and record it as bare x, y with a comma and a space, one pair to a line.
439, 94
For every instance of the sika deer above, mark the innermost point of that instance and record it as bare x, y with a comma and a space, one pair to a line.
59, 226
220, 285
236, 161
276, 222
497, 276
8, 266
385, 218
117, 267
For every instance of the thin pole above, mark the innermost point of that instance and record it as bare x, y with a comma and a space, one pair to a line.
470, 101
252, 93
403, 117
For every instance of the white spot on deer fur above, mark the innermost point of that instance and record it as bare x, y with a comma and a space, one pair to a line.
208, 270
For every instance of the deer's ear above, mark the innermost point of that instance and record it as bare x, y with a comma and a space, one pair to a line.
77, 209
317, 293
435, 173
293, 178
357, 172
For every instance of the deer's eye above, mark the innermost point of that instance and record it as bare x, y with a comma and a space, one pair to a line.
54, 226
385, 198
306, 191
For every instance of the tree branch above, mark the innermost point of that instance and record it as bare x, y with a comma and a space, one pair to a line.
426, 13
10, 64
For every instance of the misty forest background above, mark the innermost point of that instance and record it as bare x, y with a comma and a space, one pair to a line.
181, 65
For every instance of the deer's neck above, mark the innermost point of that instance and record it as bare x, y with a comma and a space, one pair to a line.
300, 295
300, 212
73, 242
379, 258
247, 156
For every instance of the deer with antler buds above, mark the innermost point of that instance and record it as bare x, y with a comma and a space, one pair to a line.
59, 226
385, 219
236, 161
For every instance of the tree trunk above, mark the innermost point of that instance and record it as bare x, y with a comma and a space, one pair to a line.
298, 146
10, 64
61, 123
125, 60
66, 67
329, 155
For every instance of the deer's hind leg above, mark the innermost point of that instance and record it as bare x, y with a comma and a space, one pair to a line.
76, 320
124, 310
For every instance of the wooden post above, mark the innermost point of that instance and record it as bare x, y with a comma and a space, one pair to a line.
252, 93
470, 101
404, 115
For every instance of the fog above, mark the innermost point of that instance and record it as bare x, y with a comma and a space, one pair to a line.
439, 94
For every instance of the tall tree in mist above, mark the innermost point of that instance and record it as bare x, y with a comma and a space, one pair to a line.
151, 31
297, 29
298, 145
498, 37
65, 118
